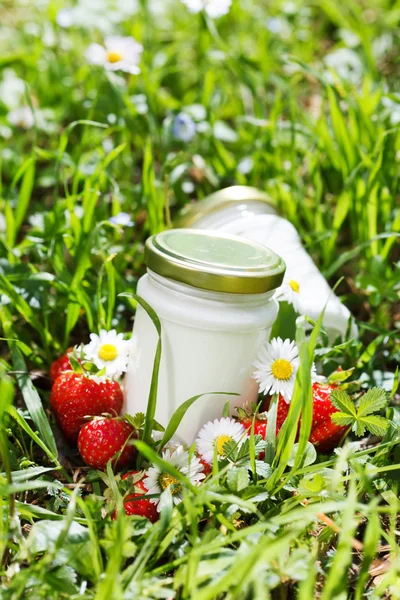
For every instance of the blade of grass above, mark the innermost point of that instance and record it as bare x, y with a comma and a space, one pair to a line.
152, 400
32, 401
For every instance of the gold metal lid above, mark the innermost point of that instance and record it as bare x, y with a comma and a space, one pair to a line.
214, 261
235, 194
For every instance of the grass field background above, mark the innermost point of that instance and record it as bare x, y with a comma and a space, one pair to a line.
298, 98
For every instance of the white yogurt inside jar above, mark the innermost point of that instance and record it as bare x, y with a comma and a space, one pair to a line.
213, 294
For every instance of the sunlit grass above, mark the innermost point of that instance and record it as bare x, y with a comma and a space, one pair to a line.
269, 112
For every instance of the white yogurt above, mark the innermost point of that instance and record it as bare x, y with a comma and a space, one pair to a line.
209, 337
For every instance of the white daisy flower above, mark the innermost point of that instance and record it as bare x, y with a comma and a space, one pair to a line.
117, 54
21, 117
290, 292
157, 481
213, 8
215, 434
276, 367
108, 350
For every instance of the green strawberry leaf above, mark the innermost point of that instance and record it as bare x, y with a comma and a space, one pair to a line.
342, 401
359, 427
376, 425
238, 479
341, 418
137, 420
360, 418
372, 401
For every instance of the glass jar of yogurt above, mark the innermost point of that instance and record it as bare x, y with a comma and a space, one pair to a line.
251, 214
213, 294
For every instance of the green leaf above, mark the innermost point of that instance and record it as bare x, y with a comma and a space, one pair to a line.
372, 401
25, 193
342, 401
113, 154
341, 418
36, 438
340, 376
375, 424
359, 427
309, 457
180, 413
6, 393
238, 479
32, 400
152, 401
285, 324
396, 380
137, 420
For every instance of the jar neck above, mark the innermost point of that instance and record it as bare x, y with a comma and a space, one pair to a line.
199, 294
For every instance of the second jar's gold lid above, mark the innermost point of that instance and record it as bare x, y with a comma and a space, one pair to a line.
214, 261
237, 195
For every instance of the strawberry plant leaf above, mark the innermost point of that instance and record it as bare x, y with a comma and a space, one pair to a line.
342, 401
341, 418
372, 401
359, 427
309, 457
375, 424
238, 479
359, 418
340, 376
137, 420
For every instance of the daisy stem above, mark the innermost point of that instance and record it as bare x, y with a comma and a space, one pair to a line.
271, 429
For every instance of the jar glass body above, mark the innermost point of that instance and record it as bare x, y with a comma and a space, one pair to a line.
259, 222
209, 342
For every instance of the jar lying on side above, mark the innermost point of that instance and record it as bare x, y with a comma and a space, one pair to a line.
251, 214
213, 294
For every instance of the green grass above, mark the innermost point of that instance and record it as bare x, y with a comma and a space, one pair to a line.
274, 115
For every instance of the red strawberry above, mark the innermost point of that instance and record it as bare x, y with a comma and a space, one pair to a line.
100, 439
282, 413
75, 396
144, 507
206, 466
325, 435
60, 365
260, 425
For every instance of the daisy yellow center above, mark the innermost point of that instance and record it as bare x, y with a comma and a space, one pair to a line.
108, 352
220, 443
113, 56
295, 286
165, 480
282, 369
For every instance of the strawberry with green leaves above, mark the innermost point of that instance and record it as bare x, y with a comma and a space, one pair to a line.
102, 438
135, 503
260, 422
76, 396
325, 434
60, 365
